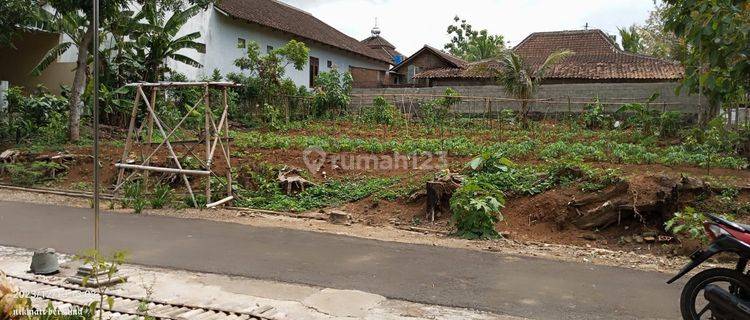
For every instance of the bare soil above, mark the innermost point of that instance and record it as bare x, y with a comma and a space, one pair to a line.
527, 219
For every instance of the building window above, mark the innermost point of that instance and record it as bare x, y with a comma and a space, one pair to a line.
330, 64
240, 43
269, 49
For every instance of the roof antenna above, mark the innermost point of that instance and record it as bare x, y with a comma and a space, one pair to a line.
375, 30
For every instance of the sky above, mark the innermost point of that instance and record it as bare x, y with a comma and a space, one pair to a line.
410, 24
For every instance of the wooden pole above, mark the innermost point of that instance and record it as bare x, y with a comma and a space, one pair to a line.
128, 139
169, 145
230, 193
150, 133
208, 142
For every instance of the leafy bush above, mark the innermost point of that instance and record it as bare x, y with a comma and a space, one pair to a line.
27, 117
382, 112
133, 196
163, 194
22, 175
594, 116
476, 208
490, 162
332, 93
331, 193
272, 116
688, 222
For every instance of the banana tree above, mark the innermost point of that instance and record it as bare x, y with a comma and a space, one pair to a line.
156, 40
521, 80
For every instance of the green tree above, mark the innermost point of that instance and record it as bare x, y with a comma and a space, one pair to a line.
332, 92
717, 62
74, 18
14, 16
263, 75
156, 39
473, 45
631, 39
658, 42
521, 80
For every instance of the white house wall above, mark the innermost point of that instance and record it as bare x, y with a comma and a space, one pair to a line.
220, 33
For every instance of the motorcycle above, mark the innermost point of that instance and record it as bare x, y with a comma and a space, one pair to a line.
726, 292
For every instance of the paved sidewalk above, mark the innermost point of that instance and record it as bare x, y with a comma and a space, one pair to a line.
276, 300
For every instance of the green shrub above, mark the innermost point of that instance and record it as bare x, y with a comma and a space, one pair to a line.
162, 196
27, 117
22, 175
688, 222
382, 112
133, 196
272, 116
476, 208
594, 116
332, 94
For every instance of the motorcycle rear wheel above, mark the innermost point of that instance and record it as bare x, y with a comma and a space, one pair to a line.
740, 285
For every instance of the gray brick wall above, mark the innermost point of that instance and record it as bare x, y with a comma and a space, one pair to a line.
561, 97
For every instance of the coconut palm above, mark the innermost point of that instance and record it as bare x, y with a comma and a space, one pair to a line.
521, 80
631, 39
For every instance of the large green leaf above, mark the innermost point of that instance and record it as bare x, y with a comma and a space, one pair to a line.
50, 57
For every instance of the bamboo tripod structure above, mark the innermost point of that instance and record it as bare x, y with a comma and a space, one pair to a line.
211, 136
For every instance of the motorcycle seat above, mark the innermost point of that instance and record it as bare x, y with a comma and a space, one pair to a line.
734, 225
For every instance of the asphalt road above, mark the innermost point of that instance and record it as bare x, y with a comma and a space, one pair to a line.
506, 284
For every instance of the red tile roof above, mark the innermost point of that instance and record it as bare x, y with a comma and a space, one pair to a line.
596, 57
283, 17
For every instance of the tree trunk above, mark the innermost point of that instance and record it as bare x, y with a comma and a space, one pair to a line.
524, 113
79, 85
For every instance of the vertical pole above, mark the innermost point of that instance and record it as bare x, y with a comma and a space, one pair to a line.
228, 154
150, 133
208, 143
96, 123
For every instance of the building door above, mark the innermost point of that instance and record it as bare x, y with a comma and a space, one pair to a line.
314, 70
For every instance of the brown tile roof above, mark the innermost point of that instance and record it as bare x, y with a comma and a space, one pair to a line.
283, 17
382, 47
596, 57
454, 61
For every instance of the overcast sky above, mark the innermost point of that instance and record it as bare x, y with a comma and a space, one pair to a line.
410, 24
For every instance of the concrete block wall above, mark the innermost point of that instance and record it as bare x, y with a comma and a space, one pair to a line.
562, 98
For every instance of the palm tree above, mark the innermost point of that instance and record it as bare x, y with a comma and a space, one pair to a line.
631, 39
155, 39
521, 80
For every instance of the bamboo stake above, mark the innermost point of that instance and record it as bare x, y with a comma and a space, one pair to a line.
230, 193
150, 132
208, 142
169, 145
153, 152
129, 138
